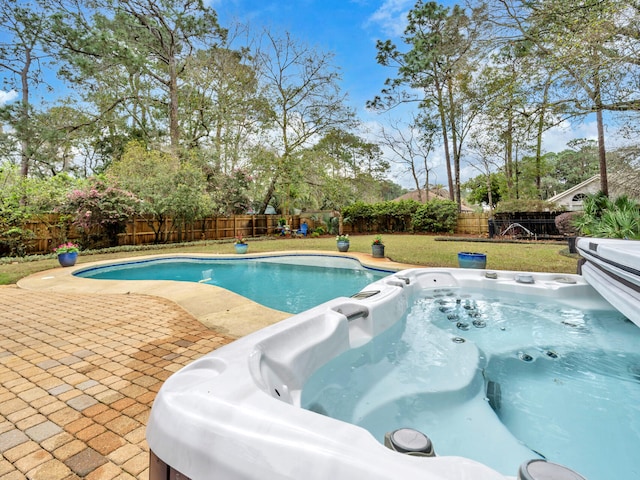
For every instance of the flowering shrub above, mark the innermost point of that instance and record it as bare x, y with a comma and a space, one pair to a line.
240, 239
377, 240
100, 209
342, 238
66, 248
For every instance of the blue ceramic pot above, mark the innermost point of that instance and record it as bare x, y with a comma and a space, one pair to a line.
472, 260
67, 259
241, 247
343, 246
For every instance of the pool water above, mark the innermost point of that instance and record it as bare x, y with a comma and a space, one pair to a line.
499, 380
275, 282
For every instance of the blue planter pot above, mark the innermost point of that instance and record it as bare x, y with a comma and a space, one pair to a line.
472, 260
241, 247
67, 259
343, 246
377, 251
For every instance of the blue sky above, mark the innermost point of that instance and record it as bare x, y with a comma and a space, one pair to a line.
347, 28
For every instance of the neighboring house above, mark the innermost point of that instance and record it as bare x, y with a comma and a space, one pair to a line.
440, 195
572, 199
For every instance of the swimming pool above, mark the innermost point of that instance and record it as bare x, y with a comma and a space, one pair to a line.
238, 413
289, 283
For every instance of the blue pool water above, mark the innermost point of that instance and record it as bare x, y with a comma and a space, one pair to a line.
290, 284
497, 379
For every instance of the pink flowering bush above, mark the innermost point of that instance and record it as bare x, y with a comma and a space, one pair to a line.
100, 211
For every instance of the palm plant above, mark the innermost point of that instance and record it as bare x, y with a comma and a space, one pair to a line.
609, 219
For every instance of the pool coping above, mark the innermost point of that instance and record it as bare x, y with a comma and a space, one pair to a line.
215, 307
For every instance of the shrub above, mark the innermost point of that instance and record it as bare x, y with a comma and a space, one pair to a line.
525, 205
565, 223
383, 216
609, 219
334, 225
395, 216
100, 211
17, 240
361, 215
15, 211
436, 216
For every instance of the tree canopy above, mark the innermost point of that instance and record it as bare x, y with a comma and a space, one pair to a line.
194, 117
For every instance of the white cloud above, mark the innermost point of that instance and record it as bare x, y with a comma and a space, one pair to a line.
556, 138
392, 16
7, 97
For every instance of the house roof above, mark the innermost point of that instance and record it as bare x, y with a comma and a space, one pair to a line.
575, 189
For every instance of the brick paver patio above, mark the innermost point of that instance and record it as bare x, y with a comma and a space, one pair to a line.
78, 376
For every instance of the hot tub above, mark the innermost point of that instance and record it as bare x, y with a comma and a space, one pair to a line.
237, 413
612, 266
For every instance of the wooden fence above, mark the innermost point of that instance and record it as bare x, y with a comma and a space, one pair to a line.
472, 223
48, 232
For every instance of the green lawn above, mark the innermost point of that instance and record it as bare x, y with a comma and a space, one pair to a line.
413, 249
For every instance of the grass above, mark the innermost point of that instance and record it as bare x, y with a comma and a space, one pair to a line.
412, 249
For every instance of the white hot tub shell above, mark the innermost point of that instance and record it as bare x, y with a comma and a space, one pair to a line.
235, 413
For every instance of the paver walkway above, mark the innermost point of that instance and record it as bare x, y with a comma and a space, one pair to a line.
78, 376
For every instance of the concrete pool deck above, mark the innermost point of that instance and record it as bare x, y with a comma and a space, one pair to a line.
81, 361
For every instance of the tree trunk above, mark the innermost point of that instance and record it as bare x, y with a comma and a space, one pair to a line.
545, 98
508, 154
602, 152
416, 180
426, 181
454, 141
24, 114
489, 194
445, 136
174, 126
